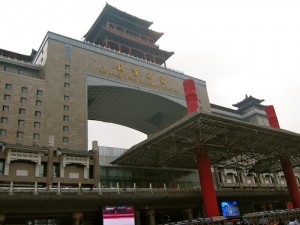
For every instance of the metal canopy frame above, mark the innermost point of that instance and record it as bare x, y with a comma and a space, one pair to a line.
230, 144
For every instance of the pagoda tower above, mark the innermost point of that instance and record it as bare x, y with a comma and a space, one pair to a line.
128, 34
252, 110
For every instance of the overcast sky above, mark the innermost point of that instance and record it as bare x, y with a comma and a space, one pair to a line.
238, 47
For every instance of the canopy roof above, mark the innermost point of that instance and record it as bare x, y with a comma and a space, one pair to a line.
230, 144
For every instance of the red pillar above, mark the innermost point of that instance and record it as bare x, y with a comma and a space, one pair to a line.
207, 185
190, 95
291, 181
285, 162
204, 170
271, 115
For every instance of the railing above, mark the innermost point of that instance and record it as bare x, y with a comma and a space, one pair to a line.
59, 189
133, 37
79, 189
15, 59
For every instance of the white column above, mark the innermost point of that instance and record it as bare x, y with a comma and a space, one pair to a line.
85, 172
62, 170
37, 170
6, 169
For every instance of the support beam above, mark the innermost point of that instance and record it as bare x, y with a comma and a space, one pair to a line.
285, 162
207, 185
204, 169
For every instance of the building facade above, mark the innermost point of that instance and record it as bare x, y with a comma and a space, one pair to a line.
117, 74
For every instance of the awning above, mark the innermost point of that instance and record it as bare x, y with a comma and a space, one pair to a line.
230, 144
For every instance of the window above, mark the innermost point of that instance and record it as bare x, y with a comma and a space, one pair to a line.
6, 97
21, 123
38, 103
23, 100
65, 128
4, 120
36, 136
68, 51
39, 93
20, 71
8, 86
37, 124
20, 134
67, 85
67, 67
65, 140
5, 108
38, 113
2, 162
22, 111
66, 97
6, 68
24, 89
67, 76
66, 108
2, 132
43, 170
66, 118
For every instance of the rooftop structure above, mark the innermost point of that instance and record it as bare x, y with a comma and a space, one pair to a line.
123, 32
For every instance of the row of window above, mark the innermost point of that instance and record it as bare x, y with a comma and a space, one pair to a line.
36, 136
9, 69
24, 100
5, 108
23, 89
67, 97
21, 123
7, 97
67, 76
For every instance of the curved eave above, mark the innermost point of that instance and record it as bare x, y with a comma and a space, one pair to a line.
248, 99
109, 12
127, 16
158, 52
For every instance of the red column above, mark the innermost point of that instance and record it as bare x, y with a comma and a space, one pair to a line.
285, 162
271, 115
190, 95
206, 181
291, 181
207, 185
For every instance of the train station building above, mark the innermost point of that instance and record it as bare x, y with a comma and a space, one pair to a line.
118, 74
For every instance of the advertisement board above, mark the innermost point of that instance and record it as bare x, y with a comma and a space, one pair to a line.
118, 215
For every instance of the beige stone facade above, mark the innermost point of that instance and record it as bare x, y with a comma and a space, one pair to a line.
55, 99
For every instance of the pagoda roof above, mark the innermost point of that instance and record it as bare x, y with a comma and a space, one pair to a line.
247, 101
14, 55
110, 13
154, 49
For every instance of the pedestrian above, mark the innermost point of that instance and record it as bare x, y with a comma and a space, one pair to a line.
292, 221
280, 222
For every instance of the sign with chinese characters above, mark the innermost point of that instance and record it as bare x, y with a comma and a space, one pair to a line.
140, 76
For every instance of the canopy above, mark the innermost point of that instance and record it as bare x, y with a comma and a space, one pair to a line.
230, 144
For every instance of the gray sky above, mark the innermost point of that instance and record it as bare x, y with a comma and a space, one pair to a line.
238, 47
